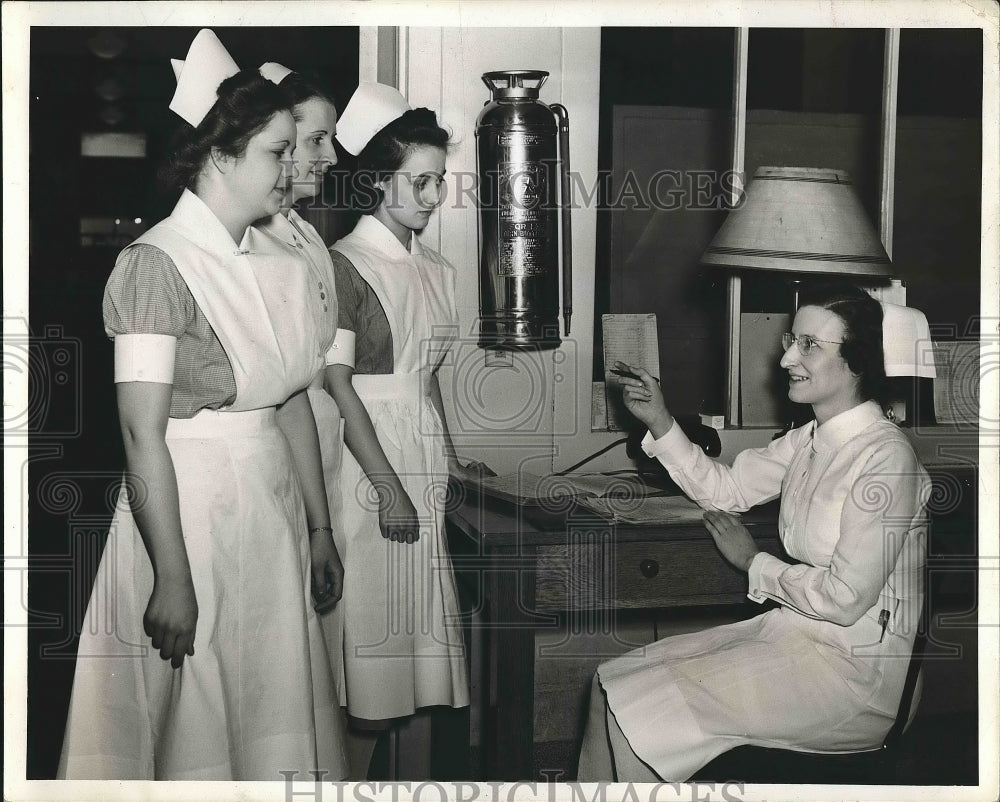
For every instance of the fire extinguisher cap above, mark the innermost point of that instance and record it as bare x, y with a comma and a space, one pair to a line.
510, 84
371, 108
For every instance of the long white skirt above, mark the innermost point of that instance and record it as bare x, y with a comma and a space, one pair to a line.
403, 646
780, 680
257, 698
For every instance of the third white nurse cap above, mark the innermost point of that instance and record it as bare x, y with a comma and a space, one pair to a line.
371, 108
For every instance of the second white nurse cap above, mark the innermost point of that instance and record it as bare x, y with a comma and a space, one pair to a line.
906, 341
371, 108
198, 76
274, 72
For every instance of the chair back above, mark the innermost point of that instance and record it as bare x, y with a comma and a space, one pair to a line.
905, 711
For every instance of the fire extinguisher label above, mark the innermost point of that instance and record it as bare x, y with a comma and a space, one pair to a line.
522, 257
524, 230
523, 139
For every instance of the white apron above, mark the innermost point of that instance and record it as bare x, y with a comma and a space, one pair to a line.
257, 697
403, 641
300, 238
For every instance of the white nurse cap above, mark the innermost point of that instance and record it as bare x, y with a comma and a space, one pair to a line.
198, 76
906, 341
371, 108
274, 72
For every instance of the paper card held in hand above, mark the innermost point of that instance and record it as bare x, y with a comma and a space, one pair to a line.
631, 339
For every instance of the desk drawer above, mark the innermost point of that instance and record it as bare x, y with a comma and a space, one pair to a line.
638, 575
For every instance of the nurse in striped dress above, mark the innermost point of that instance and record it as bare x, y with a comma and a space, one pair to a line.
201, 656
404, 652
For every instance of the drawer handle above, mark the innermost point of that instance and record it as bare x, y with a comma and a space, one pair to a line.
649, 568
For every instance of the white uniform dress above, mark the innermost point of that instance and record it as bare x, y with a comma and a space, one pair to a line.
257, 697
301, 239
403, 642
811, 675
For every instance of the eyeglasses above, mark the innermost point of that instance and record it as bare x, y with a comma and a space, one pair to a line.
804, 342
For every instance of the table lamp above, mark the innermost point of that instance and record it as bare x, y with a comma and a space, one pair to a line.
801, 221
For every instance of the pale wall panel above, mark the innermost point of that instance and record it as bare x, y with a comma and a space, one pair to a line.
552, 431
515, 415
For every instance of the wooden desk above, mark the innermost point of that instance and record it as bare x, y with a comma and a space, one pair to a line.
519, 567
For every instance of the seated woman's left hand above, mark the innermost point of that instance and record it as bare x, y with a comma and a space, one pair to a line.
732, 538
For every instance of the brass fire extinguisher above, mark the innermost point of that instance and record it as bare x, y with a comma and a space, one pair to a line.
519, 214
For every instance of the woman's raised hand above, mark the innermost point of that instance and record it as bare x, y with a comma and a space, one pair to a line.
171, 617
397, 517
643, 398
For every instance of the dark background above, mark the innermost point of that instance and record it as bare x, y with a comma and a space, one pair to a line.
814, 99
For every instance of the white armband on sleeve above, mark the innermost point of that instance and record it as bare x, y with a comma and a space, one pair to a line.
145, 358
342, 350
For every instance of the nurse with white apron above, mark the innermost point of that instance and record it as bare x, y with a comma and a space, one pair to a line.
403, 642
315, 125
210, 555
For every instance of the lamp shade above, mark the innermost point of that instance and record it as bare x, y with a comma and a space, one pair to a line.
800, 220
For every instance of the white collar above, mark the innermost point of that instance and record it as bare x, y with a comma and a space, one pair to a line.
281, 227
205, 229
837, 431
375, 233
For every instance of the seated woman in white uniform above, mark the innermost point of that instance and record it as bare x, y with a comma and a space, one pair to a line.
824, 671
222, 525
402, 639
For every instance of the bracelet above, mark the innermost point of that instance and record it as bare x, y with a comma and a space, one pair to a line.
321, 529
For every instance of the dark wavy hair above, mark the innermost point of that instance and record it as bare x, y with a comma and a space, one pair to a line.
862, 345
388, 149
299, 88
246, 103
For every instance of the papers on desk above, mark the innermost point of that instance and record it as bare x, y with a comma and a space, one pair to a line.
645, 510
620, 485
623, 498
529, 488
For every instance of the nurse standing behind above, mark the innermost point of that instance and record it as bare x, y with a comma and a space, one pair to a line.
403, 642
824, 671
223, 508
315, 127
